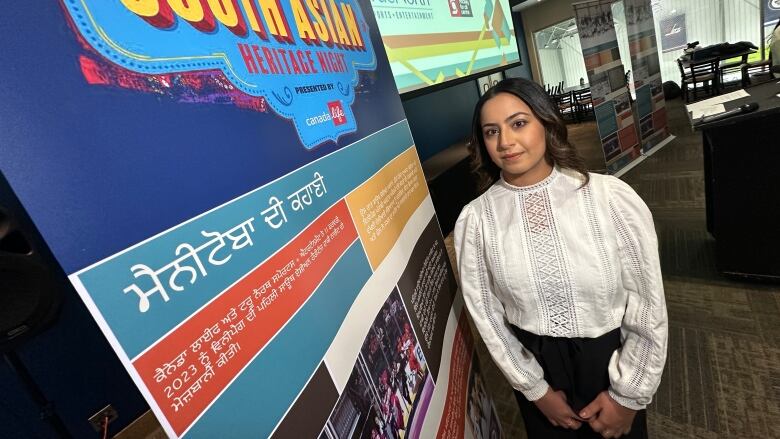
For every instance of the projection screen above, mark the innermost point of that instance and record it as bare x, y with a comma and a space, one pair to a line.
431, 42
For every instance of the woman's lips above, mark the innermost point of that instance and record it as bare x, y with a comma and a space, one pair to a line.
510, 157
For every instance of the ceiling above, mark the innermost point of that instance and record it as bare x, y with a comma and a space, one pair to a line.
524, 4
550, 38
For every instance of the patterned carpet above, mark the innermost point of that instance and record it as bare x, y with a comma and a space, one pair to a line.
722, 376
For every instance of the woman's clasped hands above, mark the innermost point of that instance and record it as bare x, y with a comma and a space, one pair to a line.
604, 415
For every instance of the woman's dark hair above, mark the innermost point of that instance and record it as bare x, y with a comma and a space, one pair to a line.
559, 152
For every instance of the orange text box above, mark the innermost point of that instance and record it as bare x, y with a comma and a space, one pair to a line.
385, 202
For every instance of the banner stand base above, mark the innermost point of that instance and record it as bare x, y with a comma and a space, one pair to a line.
644, 155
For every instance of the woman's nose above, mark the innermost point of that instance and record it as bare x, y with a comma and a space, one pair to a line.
504, 139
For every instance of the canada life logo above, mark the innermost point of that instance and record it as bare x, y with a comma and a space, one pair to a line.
337, 113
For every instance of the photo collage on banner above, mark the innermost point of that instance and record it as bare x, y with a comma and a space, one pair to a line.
650, 103
235, 195
607, 77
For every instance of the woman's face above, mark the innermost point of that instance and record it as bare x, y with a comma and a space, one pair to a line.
515, 139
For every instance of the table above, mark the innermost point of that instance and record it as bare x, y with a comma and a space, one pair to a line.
741, 159
576, 88
686, 59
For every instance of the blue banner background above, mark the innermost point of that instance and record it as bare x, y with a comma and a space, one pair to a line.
100, 168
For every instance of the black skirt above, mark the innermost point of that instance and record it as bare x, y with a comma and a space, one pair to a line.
578, 367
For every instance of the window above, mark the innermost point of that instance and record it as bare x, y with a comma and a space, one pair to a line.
678, 22
560, 55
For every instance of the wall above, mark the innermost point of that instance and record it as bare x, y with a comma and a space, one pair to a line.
523, 71
71, 363
439, 119
538, 17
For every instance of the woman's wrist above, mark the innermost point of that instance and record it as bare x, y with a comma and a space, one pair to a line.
625, 402
537, 391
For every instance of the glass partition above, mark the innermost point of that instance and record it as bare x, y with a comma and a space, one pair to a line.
560, 55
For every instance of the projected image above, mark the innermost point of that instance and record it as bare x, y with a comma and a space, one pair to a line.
429, 43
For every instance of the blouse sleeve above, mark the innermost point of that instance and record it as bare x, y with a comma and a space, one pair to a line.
517, 363
635, 369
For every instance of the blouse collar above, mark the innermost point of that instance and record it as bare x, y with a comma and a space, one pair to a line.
534, 187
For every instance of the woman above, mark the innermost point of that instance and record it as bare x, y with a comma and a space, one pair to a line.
559, 270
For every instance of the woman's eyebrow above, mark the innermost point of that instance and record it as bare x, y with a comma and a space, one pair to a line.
516, 114
506, 120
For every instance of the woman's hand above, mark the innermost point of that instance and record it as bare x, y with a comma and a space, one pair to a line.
607, 417
554, 406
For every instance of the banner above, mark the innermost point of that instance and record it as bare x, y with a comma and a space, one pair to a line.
467, 388
673, 33
650, 103
771, 12
233, 191
611, 98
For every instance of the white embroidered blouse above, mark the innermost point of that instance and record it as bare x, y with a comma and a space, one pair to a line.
559, 260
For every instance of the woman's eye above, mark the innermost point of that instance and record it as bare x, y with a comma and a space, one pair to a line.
491, 132
519, 123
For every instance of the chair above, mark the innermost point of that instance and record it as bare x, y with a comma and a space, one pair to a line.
756, 72
565, 103
730, 67
699, 72
583, 103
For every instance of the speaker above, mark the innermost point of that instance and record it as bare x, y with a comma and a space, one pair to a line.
29, 294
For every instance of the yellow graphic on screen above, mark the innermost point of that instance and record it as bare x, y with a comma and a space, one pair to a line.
403, 49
